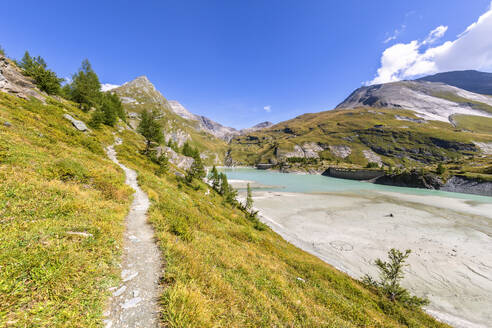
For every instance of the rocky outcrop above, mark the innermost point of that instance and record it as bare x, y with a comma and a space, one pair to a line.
340, 151
180, 161
372, 157
412, 179
468, 186
485, 147
178, 136
307, 150
14, 82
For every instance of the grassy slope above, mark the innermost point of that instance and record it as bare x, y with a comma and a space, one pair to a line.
56, 180
221, 272
478, 124
353, 128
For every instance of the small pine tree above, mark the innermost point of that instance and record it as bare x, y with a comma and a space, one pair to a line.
214, 177
2, 51
187, 150
224, 185
249, 198
150, 128
390, 274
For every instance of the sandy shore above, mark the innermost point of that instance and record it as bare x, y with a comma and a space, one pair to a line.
450, 239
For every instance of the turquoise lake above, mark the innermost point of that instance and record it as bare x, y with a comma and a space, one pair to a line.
310, 183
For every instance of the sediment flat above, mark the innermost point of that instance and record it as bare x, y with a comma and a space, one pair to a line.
450, 239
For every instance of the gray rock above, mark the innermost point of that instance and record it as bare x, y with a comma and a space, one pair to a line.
79, 125
180, 161
340, 151
12, 81
7, 124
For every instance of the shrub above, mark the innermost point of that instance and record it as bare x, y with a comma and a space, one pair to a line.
372, 165
69, 170
390, 275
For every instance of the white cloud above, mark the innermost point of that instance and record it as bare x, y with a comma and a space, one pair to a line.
267, 108
395, 34
472, 49
435, 34
107, 86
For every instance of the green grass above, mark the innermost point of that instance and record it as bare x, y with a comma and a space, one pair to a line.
54, 181
478, 124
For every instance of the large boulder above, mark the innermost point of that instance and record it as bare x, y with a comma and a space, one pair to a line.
79, 125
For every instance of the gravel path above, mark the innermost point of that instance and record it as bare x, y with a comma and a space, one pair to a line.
134, 302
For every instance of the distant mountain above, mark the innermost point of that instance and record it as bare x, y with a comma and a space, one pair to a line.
179, 124
474, 81
259, 126
204, 123
429, 100
401, 123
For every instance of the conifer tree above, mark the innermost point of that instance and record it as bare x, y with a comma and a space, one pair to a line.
150, 128
85, 87
249, 198
45, 79
214, 176
224, 185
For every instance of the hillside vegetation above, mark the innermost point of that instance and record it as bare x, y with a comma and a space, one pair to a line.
396, 137
62, 204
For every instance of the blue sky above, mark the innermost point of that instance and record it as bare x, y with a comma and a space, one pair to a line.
229, 60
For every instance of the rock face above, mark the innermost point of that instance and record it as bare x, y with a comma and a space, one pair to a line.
467, 185
412, 179
14, 82
340, 151
431, 101
178, 136
307, 150
372, 157
180, 161
79, 125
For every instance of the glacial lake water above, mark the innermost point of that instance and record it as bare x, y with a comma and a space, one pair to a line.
312, 183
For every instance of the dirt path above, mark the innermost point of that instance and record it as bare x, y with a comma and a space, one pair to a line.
134, 302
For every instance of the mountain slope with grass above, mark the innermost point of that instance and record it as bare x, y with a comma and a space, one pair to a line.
140, 94
62, 207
